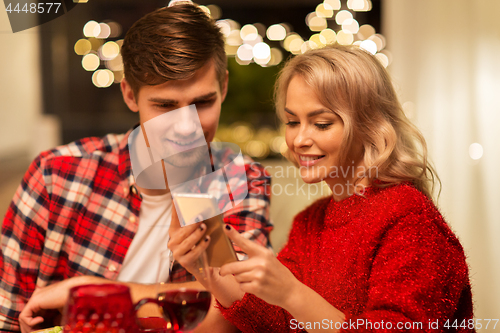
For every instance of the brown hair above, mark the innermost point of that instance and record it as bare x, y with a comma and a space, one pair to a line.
353, 83
172, 43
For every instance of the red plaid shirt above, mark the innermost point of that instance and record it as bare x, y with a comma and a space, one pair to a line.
76, 213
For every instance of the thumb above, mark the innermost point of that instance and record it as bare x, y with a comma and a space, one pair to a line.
246, 245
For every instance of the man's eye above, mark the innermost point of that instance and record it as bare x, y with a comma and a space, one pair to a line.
165, 106
292, 123
205, 103
323, 126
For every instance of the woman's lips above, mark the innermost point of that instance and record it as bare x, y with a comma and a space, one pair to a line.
309, 160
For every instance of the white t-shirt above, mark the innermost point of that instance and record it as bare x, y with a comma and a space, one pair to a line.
142, 261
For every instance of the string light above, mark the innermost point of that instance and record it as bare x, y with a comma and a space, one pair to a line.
245, 44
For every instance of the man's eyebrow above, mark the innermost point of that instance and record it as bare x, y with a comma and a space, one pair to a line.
163, 100
312, 113
204, 97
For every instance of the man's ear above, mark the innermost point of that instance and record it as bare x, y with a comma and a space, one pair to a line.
129, 96
224, 86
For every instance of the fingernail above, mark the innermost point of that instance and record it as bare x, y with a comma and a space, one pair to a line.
228, 227
206, 239
202, 227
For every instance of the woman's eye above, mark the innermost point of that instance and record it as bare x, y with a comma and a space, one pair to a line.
323, 126
292, 123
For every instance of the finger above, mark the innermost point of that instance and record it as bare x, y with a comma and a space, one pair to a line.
246, 245
237, 267
178, 236
245, 277
35, 321
195, 252
190, 241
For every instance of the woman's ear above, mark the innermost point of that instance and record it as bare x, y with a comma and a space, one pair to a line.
129, 96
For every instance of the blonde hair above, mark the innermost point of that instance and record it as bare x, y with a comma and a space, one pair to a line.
352, 83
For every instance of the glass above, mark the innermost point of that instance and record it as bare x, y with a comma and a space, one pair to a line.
182, 309
99, 308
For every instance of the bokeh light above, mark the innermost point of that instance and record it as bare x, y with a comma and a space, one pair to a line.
224, 26
384, 60
234, 38
296, 45
276, 32
109, 51
476, 151
89, 29
365, 31
317, 23
261, 51
342, 16
104, 31
103, 78
344, 38
245, 52
215, 11
319, 40
90, 62
329, 35
115, 64
350, 26
289, 39
116, 29
96, 43
242, 132
248, 32
257, 149
276, 57
322, 11
379, 40
82, 46
369, 46
332, 4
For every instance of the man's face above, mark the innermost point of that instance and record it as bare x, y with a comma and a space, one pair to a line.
203, 90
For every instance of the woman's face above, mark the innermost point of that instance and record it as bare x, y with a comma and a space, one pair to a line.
313, 134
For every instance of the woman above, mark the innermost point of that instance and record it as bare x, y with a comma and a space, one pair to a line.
377, 255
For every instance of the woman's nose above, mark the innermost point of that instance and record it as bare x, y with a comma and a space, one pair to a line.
303, 138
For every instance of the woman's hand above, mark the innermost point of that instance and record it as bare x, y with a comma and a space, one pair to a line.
262, 274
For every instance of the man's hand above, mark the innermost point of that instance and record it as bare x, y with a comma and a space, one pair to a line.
187, 244
52, 297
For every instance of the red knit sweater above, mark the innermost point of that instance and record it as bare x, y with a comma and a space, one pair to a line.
387, 258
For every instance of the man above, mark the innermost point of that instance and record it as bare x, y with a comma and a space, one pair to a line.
79, 217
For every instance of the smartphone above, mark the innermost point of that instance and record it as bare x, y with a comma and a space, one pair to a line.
220, 251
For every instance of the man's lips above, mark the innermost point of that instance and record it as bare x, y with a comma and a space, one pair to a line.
185, 144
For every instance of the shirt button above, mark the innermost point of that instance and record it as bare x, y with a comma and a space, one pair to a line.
125, 191
132, 219
134, 190
112, 268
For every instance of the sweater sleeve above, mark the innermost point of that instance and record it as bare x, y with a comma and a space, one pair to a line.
252, 314
418, 280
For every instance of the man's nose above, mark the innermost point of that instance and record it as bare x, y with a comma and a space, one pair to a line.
185, 126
